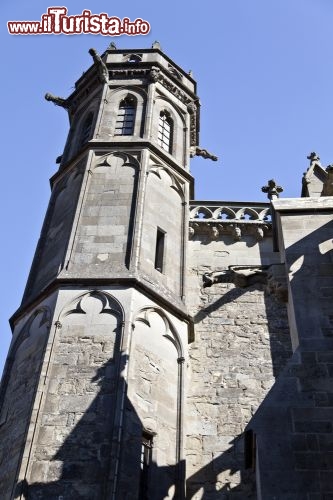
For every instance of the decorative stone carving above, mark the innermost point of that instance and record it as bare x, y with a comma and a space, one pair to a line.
259, 233
272, 189
170, 332
191, 107
193, 130
129, 72
215, 232
274, 277
235, 219
58, 101
176, 184
196, 151
191, 232
133, 58
112, 46
154, 74
103, 73
174, 89
236, 233
231, 212
109, 305
174, 72
241, 276
106, 160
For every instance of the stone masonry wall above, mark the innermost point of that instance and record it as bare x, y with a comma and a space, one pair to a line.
72, 446
241, 344
104, 235
18, 389
52, 245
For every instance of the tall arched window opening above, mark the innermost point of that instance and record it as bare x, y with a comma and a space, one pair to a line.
86, 129
165, 131
125, 117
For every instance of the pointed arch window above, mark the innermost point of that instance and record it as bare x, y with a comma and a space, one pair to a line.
86, 129
126, 117
165, 131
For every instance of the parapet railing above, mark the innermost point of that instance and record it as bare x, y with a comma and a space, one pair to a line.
235, 218
230, 211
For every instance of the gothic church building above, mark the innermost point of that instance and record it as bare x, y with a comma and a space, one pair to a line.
167, 348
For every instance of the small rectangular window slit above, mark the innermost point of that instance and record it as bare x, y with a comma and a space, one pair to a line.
145, 462
159, 250
250, 449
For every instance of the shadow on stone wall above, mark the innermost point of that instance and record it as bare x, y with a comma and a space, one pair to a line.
277, 322
293, 422
81, 464
225, 475
279, 333
84, 465
206, 483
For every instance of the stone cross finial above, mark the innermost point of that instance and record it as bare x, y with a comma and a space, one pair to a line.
272, 189
314, 158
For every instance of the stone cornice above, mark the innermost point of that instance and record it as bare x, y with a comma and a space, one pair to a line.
303, 204
135, 146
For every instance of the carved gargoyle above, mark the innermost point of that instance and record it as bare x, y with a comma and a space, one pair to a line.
154, 74
196, 151
273, 277
241, 276
103, 73
59, 101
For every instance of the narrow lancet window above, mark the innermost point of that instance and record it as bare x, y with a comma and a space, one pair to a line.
249, 449
159, 250
145, 463
165, 131
125, 117
86, 129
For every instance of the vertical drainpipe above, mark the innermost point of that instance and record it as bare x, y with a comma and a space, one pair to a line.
180, 485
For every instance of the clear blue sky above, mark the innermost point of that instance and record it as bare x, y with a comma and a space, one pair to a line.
265, 79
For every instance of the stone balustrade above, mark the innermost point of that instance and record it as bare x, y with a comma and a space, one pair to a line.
216, 217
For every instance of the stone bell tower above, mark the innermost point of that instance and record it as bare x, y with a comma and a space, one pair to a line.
93, 390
